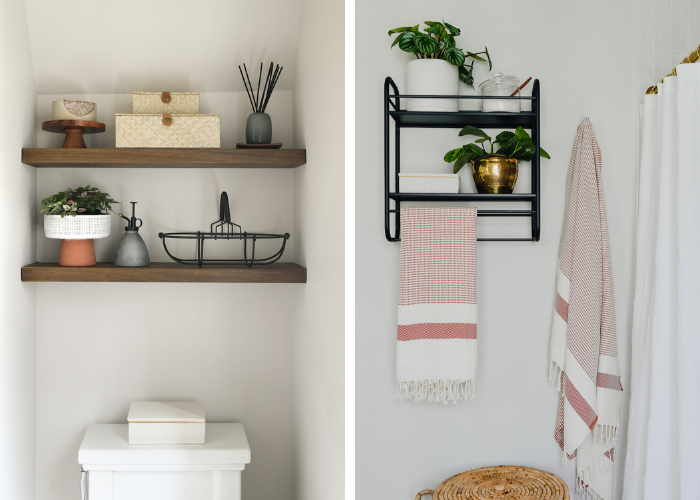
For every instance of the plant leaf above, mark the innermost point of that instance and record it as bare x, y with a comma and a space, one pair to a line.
474, 56
508, 146
466, 74
391, 32
525, 156
466, 158
396, 40
521, 134
479, 141
470, 130
454, 31
449, 41
504, 136
434, 29
460, 162
426, 44
476, 150
452, 155
454, 56
544, 154
407, 42
488, 57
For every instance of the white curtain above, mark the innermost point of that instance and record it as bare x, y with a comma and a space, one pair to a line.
663, 441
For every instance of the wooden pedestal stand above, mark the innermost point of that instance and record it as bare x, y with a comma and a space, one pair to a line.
74, 130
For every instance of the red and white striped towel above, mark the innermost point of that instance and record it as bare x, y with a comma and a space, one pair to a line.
583, 348
436, 346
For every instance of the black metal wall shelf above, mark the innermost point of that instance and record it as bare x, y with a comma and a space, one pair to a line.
428, 119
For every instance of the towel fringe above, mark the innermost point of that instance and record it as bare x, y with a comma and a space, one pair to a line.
436, 390
606, 434
586, 492
554, 372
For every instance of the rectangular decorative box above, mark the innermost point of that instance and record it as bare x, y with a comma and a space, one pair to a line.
166, 423
157, 103
429, 183
153, 131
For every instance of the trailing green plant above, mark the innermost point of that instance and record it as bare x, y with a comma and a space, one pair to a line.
81, 201
437, 41
518, 145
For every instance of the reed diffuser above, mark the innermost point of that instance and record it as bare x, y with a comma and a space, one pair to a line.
258, 129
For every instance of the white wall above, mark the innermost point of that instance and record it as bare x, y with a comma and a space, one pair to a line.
318, 350
225, 345
101, 346
174, 45
17, 248
581, 52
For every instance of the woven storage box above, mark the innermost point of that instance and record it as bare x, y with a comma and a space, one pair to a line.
185, 131
156, 103
80, 227
505, 482
166, 423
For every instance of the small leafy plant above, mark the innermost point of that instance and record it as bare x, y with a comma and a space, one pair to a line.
516, 145
437, 41
81, 201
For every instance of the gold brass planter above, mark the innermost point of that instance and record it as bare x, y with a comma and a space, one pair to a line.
495, 174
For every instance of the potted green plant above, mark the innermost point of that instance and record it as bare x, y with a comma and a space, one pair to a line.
439, 64
77, 216
494, 172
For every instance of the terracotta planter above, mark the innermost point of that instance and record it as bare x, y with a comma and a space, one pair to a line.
495, 174
77, 253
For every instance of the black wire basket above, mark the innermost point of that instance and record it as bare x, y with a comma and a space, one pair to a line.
224, 229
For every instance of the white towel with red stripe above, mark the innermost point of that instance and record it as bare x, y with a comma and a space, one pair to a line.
583, 348
436, 345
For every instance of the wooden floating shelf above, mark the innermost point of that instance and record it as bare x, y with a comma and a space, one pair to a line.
163, 158
166, 272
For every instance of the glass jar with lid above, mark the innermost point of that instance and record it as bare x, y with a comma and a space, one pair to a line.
500, 85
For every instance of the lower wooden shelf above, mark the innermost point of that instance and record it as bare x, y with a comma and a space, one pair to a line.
166, 272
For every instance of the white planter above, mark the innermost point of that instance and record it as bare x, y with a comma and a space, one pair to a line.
468, 104
80, 227
432, 77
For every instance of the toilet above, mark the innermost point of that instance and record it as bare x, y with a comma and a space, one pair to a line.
115, 470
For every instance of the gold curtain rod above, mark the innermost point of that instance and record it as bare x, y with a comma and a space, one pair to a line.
694, 56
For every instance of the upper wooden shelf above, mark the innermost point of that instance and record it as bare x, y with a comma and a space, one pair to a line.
163, 158
166, 272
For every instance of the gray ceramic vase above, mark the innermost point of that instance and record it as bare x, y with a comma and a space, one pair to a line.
258, 129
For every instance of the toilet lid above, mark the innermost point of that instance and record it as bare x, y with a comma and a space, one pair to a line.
106, 447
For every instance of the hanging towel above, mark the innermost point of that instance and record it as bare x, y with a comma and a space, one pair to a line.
583, 349
436, 345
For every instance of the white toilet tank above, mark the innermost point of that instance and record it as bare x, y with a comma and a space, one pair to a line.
116, 470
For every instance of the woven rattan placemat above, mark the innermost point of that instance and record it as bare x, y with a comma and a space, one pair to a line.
505, 482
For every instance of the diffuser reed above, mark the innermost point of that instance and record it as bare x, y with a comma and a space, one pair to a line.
258, 102
258, 129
